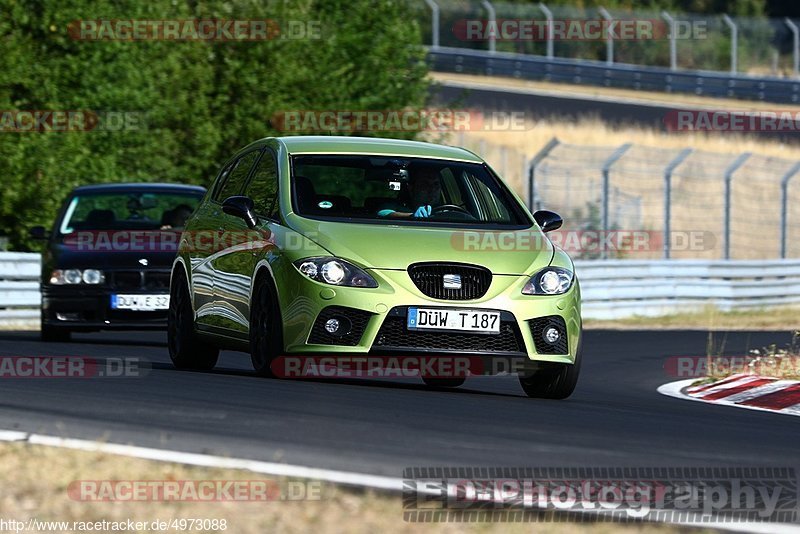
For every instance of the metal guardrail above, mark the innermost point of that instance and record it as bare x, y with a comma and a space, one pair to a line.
598, 73
611, 289
19, 286
622, 288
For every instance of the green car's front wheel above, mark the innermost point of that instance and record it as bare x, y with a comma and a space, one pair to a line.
553, 382
266, 336
185, 349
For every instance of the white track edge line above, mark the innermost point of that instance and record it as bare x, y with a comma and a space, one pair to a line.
327, 475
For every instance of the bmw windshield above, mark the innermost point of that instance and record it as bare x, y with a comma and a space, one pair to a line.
402, 191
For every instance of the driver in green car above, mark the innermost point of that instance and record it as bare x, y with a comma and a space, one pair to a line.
425, 191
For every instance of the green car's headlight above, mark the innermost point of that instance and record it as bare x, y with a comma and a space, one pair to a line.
335, 271
549, 281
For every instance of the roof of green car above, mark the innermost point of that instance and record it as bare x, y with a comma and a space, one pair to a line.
317, 144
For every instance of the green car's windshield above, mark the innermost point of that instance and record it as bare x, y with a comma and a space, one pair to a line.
150, 210
400, 189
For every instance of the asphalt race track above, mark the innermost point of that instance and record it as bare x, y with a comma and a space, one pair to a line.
615, 418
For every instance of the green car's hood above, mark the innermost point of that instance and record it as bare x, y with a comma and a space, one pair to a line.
384, 246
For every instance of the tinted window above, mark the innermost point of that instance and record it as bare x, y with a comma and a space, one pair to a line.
152, 210
263, 186
235, 181
392, 189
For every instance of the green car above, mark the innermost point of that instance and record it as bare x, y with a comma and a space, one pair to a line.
341, 247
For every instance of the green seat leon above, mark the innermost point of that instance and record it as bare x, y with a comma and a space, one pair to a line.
344, 247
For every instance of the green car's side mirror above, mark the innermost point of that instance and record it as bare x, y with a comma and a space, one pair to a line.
548, 220
242, 207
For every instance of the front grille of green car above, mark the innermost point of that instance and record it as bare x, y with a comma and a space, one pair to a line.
394, 335
429, 278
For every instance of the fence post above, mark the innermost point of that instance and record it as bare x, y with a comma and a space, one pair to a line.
668, 198
434, 23
609, 38
492, 24
734, 42
673, 43
738, 162
784, 205
795, 45
543, 153
618, 153
548, 16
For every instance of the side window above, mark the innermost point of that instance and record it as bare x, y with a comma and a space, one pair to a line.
232, 185
263, 186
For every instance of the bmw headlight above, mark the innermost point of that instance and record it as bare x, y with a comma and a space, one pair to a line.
549, 281
61, 277
92, 276
335, 271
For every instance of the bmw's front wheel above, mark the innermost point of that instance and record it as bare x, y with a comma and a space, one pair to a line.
185, 349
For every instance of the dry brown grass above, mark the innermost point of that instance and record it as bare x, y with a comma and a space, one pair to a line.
37, 478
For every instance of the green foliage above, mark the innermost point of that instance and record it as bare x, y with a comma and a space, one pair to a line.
201, 101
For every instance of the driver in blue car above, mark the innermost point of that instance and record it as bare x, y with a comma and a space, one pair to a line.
424, 192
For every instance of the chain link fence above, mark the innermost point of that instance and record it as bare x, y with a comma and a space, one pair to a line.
758, 46
682, 203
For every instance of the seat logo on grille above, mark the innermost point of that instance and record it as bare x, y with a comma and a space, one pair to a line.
144, 261
452, 281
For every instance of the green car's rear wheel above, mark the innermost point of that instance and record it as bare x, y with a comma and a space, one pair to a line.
555, 381
185, 349
266, 335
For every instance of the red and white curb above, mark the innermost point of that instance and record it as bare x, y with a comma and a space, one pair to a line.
743, 391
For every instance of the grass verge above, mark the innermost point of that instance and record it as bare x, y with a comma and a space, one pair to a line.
710, 318
38, 477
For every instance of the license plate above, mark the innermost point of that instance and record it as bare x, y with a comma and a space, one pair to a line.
453, 319
140, 302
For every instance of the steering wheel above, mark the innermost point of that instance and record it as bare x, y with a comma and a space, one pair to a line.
449, 207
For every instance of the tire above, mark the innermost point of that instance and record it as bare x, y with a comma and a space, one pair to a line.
452, 382
266, 328
186, 350
54, 334
557, 381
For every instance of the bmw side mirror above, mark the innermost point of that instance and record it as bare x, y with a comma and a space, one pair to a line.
548, 220
242, 207
39, 233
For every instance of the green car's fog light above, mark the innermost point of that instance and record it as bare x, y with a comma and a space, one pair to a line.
332, 325
552, 335
335, 271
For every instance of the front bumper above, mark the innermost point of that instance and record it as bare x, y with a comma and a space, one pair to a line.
86, 308
383, 311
